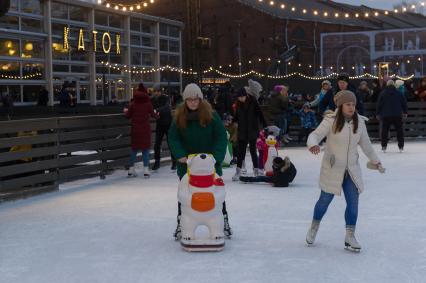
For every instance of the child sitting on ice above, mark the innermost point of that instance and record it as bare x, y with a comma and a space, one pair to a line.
284, 173
261, 145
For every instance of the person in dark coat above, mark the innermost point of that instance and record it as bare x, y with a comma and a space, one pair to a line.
391, 109
139, 112
342, 84
161, 105
248, 116
43, 97
375, 93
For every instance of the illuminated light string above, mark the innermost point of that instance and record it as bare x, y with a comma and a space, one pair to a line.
280, 5
26, 77
126, 7
134, 70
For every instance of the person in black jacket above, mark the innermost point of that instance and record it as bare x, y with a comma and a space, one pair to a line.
161, 105
391, 109
327, 103
248, 116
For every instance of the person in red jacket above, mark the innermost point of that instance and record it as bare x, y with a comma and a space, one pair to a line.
139, 112
421, 90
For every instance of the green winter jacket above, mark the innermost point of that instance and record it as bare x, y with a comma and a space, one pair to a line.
278, 104
196, 139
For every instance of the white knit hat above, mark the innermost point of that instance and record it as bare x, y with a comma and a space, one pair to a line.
399, 83
192, 91
254, 88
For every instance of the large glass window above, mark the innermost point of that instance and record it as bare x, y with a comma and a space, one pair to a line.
32, 49
174, 46
31, 7
59, 10
9, 47
101, 18
136, 57
148, 58
31, 92
32, 25
9, 70
148, 27
148, 41
84, 93
164, 45
32, 71
14, 91
135, 25
78, 14
115, 21
9, 22
59, 53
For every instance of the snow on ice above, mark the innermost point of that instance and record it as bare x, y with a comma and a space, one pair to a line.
120, 230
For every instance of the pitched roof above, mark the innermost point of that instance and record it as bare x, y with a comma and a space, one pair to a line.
391, 21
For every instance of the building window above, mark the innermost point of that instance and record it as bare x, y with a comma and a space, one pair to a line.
9, 47
174, 46
148, 58
31, 7
32, 49
31, 92
78, 14
32, 25
33, 71
9, 22
164, 45
59, 11
135, 25
9, 70
136, 57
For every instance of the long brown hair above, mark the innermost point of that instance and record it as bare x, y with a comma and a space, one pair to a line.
339, 122
205, 113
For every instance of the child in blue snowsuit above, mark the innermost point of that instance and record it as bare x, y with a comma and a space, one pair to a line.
308, 122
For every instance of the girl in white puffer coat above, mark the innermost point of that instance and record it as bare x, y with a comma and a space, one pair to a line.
345, 129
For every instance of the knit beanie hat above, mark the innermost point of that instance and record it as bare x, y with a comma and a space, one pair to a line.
192, 91
326, 82
343, 77
344, 96
254, 88
399, 83
278, 88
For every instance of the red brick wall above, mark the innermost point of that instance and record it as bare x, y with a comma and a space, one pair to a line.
219, 21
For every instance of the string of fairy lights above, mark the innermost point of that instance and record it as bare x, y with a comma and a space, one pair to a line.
281, 5
135, 70
26, 77
126, 7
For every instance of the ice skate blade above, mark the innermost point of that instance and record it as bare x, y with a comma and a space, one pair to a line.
132, 176
349, 248
203, 245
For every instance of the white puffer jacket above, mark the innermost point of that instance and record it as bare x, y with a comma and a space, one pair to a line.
341, 153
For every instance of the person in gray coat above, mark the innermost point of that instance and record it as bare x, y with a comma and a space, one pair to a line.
345, 129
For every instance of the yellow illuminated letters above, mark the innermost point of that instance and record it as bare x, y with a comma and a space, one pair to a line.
81, 41
117, 40
95, 47
108, 37
66, 37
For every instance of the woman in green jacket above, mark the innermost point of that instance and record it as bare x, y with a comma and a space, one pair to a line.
197, 129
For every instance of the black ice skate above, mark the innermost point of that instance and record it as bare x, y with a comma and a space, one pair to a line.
227, 231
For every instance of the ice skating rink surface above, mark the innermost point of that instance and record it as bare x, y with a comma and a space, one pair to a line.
120, 230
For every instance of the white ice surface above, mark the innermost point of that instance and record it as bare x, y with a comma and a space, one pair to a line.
120, 230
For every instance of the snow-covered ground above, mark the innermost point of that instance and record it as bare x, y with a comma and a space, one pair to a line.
120, 230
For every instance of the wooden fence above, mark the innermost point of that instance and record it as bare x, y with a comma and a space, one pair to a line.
37, 154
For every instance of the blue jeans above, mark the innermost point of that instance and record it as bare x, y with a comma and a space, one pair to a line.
281, 122
145, 155
351, 196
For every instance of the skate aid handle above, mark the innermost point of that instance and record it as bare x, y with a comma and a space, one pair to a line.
379, 167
